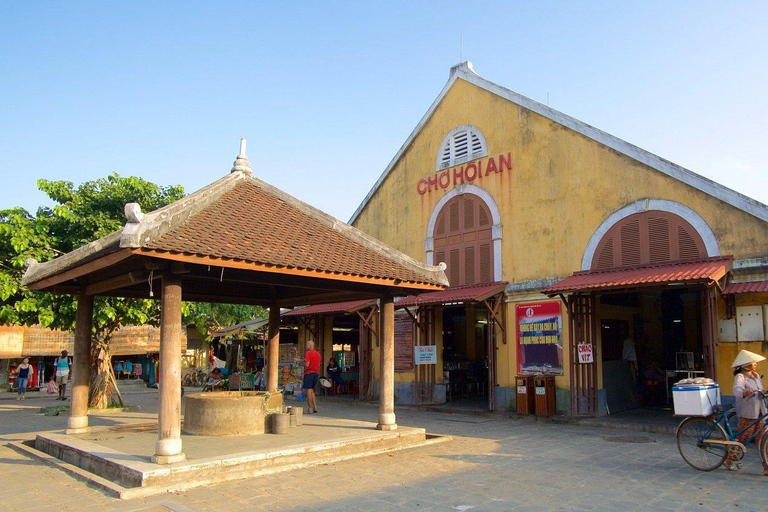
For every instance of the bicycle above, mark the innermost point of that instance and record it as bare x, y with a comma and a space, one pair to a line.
195, 378
704, 442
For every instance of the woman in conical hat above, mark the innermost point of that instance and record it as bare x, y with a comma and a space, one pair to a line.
746, 384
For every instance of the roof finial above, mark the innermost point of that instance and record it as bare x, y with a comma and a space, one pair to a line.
241, 162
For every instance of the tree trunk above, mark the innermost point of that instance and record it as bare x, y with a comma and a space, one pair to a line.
103, 391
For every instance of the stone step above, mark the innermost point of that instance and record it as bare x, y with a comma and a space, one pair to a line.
129, 386
126, 476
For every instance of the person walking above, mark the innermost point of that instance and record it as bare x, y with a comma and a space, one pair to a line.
23, 374
61, 364
747, 383
311, 375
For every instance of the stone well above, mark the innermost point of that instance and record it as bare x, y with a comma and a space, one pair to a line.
230, 413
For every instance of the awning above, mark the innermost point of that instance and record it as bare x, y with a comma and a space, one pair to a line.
456, 294
234, 330
686, 272
752, 287
336, 308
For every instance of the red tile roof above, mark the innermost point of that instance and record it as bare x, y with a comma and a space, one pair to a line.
284, 249
252, 222
753, 287
710, 269
468, 293
332, 309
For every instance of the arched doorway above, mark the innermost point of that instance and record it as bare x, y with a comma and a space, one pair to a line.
463, 238
649, 283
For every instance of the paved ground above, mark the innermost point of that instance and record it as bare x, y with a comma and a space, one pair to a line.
493, 463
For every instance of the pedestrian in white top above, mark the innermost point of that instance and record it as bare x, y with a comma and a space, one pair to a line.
61, 364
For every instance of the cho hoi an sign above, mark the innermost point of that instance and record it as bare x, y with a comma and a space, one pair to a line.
539, 341
471, 172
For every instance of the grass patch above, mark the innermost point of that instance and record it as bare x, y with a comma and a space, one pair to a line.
54, 410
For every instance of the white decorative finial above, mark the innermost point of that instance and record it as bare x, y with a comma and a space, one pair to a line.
241, 163
133, 213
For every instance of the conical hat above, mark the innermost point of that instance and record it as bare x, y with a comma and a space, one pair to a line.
746, 357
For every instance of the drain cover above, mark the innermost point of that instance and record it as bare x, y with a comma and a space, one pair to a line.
628, 439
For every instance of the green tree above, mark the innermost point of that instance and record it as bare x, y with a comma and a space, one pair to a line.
209, 317
22, 237
81, 214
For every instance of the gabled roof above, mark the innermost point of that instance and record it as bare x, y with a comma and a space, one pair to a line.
240, 223
465, 72
707, 270
454, 294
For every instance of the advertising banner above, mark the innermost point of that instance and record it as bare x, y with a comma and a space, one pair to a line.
539, 341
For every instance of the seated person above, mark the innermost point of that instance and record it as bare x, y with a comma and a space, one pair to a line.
334, 372
653, 378
214, 378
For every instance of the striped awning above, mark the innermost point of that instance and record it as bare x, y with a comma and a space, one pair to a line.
336, 308
685, 272
454, 295
751, 287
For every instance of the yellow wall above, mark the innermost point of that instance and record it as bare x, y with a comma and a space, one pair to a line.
562, 186
727, 351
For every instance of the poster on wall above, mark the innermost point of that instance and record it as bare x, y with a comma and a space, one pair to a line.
425, 354
540, 340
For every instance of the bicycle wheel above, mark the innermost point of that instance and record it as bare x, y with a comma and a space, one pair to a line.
692, 436
763, 448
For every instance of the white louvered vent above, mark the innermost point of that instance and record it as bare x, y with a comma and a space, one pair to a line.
462, 144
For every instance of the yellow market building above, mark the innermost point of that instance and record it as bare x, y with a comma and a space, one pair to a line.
571, 254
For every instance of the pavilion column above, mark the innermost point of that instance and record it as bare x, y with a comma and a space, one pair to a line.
81, 366
168, 445
273, 347
387, 354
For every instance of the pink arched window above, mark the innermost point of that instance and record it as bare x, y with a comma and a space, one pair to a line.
653, 237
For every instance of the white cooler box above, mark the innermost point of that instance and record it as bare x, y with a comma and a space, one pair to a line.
695, 400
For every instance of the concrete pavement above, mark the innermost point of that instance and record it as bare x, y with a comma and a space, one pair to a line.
493, 463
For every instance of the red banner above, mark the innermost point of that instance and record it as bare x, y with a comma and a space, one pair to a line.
539, 339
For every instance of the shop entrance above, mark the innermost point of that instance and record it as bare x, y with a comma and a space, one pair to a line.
346, 351
465, 355
648, 340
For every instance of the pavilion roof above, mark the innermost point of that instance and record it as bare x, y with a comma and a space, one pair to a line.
235, 226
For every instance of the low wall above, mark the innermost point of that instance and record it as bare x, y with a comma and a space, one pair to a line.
230, 413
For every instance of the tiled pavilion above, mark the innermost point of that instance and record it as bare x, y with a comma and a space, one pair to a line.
241, 241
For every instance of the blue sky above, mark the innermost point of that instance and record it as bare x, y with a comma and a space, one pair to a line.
327, 92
